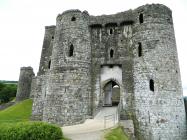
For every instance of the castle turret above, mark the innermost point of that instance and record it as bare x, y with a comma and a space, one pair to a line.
24, 84
45, 60
68, 87
159, 106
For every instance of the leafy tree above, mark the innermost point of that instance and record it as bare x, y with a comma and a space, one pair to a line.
7, 92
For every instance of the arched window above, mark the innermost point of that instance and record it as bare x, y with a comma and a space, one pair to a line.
141, 18
73, 19
111, 53
151, 84
49, 64
71, 48
139, 49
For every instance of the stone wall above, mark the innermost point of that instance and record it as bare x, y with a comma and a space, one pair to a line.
141, 42
45, 60
38, 91
24, 84
39, 85
111, 38
68, 85
158, 99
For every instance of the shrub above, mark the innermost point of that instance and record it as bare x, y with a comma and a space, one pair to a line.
30, 131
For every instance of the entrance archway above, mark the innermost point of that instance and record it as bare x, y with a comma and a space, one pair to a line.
111, 94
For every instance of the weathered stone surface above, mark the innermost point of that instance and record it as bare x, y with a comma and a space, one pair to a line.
24, 84
136, 49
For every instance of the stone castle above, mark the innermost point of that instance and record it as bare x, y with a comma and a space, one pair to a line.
128, 59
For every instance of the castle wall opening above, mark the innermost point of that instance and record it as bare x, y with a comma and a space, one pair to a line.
111, 53
111, 94
111, 81
141, 18
71, 48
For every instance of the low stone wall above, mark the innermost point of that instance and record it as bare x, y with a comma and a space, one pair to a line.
3, 106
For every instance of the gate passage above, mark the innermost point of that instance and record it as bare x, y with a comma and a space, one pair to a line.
111, 94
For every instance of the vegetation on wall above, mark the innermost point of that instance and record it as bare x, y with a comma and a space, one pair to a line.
7, 92
116, 134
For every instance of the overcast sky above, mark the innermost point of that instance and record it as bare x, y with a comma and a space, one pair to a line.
22, 28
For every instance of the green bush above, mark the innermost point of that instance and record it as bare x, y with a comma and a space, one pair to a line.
30, 131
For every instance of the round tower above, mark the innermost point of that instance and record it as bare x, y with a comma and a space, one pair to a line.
68, 88
158, 99
24, 84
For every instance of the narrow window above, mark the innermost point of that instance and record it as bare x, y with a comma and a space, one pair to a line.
52, 37
111, 31
73, 19
151, 85
71, 48
139, 49
141, 18
49, 64
111, 53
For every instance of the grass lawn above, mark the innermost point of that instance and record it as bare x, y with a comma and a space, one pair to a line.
116, 134
17, 113
20, 112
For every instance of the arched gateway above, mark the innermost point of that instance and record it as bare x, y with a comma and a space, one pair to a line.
111, 94
111, 85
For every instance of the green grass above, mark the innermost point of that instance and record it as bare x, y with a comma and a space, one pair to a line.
116, 134
17, 113
20, 112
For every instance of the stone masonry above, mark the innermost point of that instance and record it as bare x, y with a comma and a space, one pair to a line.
134, 51
24, 84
